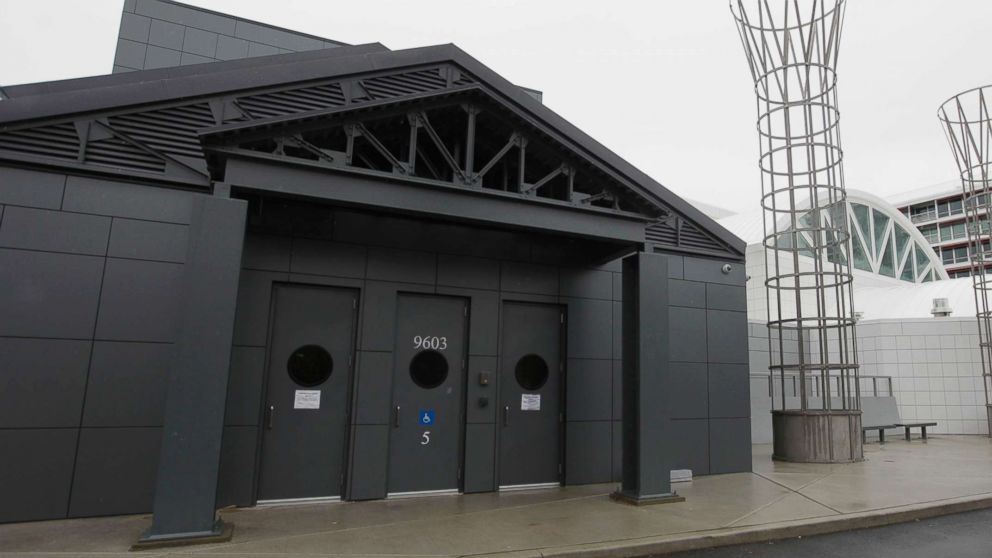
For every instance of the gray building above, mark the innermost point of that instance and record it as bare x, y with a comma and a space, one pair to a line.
345, 273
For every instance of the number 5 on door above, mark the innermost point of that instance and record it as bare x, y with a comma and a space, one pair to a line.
426, 439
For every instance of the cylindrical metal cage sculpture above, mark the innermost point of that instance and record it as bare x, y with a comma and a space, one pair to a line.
792, 48
968, 125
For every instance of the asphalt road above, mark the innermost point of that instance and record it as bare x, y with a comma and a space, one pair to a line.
963, 535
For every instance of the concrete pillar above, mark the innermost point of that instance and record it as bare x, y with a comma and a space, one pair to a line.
647, 443
186, 489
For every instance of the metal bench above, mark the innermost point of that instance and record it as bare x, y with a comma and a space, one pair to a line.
921, 425
881, 413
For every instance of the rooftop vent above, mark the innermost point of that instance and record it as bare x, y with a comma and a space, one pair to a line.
941, 309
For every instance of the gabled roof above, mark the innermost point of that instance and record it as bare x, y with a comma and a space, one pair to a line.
94, 100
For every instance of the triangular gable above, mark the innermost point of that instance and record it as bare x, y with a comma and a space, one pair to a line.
152, 133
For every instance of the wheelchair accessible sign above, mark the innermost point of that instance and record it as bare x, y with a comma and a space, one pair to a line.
426, 417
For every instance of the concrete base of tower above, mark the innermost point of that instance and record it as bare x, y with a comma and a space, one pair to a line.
816, 436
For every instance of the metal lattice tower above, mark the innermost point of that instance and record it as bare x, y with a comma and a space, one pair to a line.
792, 48
968, 125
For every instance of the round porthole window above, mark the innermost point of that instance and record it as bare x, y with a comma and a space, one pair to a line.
310, 365
531, 372
429, 369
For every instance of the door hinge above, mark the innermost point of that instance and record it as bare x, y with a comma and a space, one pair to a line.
562, 317
350, 361
559, 470
561, 417
465, 311
354, 304
341, 483
459, 473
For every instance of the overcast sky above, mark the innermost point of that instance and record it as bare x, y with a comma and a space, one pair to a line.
663, 83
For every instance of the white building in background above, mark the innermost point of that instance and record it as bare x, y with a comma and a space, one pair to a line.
938, 212
933, 362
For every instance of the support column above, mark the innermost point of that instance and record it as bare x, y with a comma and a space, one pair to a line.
186, 488
647, 434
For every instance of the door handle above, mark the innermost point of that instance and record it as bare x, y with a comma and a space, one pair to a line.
506, 416
272, 412
396, 417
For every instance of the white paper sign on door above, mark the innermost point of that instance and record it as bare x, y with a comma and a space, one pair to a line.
307, 399
530, 402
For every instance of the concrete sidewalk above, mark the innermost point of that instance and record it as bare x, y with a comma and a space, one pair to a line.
899, 481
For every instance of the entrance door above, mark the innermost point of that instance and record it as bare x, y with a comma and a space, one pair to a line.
530, 387
425, 444
309, 384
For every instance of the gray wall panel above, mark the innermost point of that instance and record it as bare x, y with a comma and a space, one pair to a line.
687, 327
374, 378
407, 266
159, 57
236, 485
230, 48
586, 283
251, 324
148, 240
687, 293
726, 297
127, 384
370, 445
590, 328
692, 445
54, 231
267, 252
48, 295
687, 396
319, 257
480, 456
140, 301
729, 390
31, 188
36, 484
589, 390
617, 390
468, 272
726, 334
528, 278
130, 54
166, 34
134, 27
244, 386
730, 445
118, 199
187, 16
676, 267
477, 413
617, 453
587, 459
125, 459
42, 382
186, 59
484, 318
200, 42
711, 271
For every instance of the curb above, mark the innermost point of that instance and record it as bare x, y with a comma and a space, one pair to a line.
668, 544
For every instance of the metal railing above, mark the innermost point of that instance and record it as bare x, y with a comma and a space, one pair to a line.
871, 386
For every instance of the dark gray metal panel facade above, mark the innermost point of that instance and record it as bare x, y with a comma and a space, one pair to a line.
160, 33
708, 350
80, 434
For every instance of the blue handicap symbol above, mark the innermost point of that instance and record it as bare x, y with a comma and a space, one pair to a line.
426, 416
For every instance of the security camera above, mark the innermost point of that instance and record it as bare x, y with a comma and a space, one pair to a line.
726, 269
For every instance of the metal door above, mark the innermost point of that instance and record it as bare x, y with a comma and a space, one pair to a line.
530, 387
425, 444
311, 353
